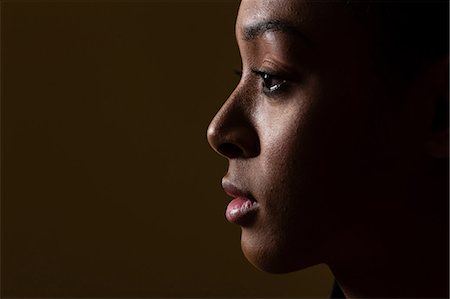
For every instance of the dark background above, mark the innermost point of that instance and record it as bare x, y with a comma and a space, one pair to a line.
109, 188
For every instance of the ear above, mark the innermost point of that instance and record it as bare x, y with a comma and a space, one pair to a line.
438, 140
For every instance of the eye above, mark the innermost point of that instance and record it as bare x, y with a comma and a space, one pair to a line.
270, 83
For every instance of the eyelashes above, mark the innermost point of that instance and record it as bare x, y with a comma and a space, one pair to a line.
270, 83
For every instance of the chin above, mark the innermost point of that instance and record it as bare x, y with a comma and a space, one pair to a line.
271, 256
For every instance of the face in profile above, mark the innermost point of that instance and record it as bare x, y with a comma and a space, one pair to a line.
311, 136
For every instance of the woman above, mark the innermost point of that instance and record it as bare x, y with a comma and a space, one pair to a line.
337, 142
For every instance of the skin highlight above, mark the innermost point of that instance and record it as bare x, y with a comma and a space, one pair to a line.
341, 161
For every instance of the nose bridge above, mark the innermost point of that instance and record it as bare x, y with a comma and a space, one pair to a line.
231, 133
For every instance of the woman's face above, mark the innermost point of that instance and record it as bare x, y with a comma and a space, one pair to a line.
297, 131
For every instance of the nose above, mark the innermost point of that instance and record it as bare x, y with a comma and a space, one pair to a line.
231, 133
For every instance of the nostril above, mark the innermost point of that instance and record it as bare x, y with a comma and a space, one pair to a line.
230, 150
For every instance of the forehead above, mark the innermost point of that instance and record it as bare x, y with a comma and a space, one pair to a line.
313, 17
254, 11
288, 9
328, 25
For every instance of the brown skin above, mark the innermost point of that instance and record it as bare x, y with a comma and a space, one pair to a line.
340, 162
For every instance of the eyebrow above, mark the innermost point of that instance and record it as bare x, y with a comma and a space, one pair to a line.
257, 30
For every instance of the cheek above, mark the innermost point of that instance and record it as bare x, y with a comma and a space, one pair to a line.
279, 146
284, 179
280, 129
290, 182
281, 126
293, 174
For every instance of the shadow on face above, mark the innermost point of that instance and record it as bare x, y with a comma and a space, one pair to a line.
316, 136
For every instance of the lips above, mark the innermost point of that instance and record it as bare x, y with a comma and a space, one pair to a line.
242, 209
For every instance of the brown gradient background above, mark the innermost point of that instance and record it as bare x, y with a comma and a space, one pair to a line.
109, 188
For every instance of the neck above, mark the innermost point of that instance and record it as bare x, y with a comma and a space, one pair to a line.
410, 259
412, 271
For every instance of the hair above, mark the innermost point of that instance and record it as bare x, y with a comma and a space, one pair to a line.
409, 35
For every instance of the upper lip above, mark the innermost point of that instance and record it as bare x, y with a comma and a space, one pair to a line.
234, 191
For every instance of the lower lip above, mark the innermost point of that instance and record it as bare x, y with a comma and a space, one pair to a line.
240, 210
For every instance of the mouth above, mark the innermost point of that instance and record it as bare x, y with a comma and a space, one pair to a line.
242, 209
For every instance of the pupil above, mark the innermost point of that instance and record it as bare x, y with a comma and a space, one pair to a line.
268, 81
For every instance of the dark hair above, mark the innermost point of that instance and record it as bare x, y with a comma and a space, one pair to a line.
409, 35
